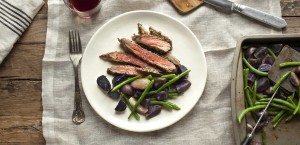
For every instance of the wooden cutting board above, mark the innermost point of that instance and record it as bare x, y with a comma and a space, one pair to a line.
185, 6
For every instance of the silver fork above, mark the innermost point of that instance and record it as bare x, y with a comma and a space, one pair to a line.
75, 55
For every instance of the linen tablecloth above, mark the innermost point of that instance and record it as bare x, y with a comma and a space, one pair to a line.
210, 121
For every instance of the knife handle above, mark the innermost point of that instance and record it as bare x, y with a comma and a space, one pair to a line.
222, 4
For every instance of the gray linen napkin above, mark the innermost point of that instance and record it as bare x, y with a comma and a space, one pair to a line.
210, 122
15, 17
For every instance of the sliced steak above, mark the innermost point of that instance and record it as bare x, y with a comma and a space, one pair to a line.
124, 69
124, 58
132, 70
142, 30
160, 35
148, 56
153, 43
169, 56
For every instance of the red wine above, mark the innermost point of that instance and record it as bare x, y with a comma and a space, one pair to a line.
84, 5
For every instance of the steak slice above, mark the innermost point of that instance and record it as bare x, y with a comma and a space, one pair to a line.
148, 56
132, 70
141, 29
160, 35
170, 57
124, 58
153, 43
124, 69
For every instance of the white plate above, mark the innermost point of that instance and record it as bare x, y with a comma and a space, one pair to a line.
186, 48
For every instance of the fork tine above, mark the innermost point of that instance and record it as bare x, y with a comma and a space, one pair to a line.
79, 43
70, 41
76, 41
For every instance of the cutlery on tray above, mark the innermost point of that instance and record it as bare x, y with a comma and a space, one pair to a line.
75, 55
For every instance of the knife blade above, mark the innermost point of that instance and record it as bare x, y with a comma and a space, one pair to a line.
247, 140
258, 15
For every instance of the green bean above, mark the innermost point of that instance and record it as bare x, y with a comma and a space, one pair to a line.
280, 101
172, 95
275, 119
275, 105
272, 53
141, 97
254, 69
135, 115
280, 80
165, 104
291, 98
258, 96
298, 105
254, 91
288, 64
124, 83
273, 112
247, 93
149, 77
168, 76
245, 111
169, 82
278, 121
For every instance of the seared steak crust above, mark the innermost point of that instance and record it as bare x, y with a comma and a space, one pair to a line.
148, 56
124, 69
124, 58
132, 70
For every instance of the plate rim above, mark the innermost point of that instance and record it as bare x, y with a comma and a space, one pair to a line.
156, 13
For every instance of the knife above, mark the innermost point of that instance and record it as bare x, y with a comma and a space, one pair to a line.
247, 140
266, 18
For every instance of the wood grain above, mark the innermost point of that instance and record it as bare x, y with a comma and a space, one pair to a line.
186, 6
21, 74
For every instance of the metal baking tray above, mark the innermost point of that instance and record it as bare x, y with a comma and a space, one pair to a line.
284, 133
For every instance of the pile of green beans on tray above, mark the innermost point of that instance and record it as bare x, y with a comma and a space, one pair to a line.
257, 61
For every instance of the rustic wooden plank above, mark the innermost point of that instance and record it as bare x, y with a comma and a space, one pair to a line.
20, 98
21, 130
23, 62
293, 25
36, 32
290, 7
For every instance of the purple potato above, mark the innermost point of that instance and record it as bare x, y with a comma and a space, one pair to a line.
261, 52
137, 94
268, 91
251, 77
145, 102
264, 67
121, 106
276, 48
181, 69
268, 60
182, 86
162, 95
103, 83
265, 115
127, 89
114, 95
249, 52
153, 111
263, 83
159, 82
255, 62
118, 79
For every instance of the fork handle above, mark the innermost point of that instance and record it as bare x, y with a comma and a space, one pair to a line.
78, 115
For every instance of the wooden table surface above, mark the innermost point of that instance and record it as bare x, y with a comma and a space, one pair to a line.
21, 79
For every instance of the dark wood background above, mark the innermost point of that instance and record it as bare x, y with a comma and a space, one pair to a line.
21, 79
